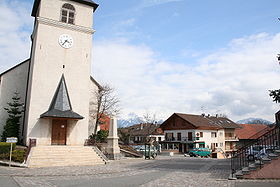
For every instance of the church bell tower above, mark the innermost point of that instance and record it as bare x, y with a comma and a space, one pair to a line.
57, 107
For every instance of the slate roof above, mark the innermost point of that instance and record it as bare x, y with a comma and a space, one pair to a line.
86, 2
208, 121
60, 106
251, 131
17, 65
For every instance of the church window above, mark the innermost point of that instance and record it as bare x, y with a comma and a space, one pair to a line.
67, 13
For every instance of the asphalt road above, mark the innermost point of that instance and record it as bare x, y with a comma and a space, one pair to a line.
164, 171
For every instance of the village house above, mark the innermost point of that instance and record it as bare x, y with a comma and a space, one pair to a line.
139, 133
186, 131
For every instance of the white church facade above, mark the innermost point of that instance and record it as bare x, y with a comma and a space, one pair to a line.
55, 83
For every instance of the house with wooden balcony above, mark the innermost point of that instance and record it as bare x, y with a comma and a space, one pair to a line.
187, 131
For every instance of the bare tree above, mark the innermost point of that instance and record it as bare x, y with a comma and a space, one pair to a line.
149, 119
107, 104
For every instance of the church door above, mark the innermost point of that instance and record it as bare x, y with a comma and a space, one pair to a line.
59, 132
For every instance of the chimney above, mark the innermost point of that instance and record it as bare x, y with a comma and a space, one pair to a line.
141, 126
216, 115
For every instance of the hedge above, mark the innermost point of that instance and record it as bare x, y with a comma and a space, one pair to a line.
17, 155
5, 147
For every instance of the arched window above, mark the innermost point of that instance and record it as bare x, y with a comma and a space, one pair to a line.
67, 13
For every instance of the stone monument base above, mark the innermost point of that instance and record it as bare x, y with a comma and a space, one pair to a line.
113, 149
114, 156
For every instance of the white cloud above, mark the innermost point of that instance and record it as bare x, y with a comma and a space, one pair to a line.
234, 80
14, 37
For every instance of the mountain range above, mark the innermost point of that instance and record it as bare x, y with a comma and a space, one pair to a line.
254, 121
133, 119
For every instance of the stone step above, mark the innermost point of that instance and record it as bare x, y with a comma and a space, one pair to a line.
273, 156
66, 164
258, 163
239, 174
46, 156
245, 171
66, 157
277, 151
61, 163
63, 159
62, 147
252, 167
72, 148
82, 153
266, 160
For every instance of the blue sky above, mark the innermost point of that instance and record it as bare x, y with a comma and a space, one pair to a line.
166, 56
180, 30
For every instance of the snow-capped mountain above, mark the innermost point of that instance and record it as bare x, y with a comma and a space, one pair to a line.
132, 119
254, 121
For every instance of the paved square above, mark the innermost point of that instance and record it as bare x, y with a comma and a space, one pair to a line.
164, 171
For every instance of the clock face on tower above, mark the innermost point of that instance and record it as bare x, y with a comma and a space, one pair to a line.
65, 41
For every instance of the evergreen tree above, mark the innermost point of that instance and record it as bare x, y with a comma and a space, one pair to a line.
14, 110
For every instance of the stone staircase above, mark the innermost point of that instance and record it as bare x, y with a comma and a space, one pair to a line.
48, 156
259, 159
257, 168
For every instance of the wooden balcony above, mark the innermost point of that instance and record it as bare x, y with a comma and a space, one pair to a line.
231, 138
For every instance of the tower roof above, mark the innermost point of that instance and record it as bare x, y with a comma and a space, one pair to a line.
86, 2
60, 106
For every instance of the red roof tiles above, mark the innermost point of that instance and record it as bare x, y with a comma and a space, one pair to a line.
251, 131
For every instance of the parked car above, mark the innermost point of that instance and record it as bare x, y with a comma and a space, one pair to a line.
202, 152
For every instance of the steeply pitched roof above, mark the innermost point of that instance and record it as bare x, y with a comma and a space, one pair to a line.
60, 106
208, 121
251, 131
14, 67
95, 82
86, 2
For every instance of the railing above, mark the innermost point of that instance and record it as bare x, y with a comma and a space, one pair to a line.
101, 154
182, 139
255, 150
32, 143
231, 138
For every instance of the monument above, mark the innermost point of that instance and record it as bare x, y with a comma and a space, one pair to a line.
113, 149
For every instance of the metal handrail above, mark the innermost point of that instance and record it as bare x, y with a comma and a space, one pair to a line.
32, 143
247, 155
100, 153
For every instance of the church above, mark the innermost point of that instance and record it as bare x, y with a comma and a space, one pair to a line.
55, 83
